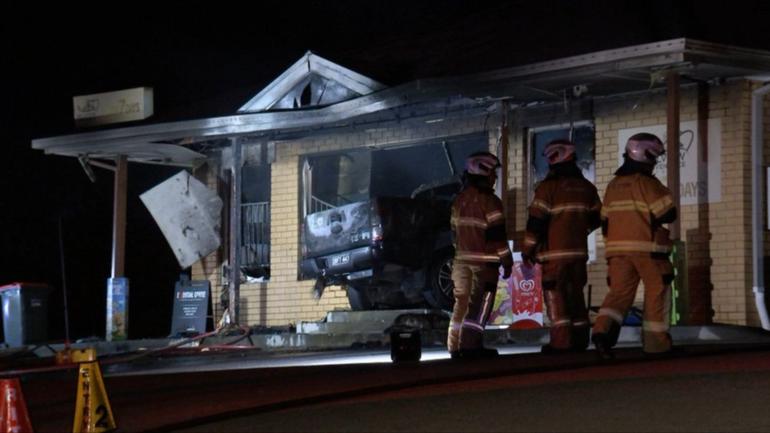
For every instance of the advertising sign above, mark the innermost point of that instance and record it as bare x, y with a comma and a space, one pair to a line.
520, 304
113, 107
117, 309
191, 305
700, 179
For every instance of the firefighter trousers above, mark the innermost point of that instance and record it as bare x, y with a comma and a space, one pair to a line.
623, 278
474, 291
563, 283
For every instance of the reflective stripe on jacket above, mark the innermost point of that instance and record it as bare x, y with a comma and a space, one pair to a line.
632, 203
478, 226
565, 210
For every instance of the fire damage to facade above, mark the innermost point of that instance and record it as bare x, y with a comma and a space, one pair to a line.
335, 188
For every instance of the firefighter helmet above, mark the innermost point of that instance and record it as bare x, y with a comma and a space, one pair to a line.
644, 147
482, 164
559, 150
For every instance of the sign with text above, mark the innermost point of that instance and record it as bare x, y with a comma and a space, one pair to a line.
520, 304
117, 309
191, 306
700, 174
113, 107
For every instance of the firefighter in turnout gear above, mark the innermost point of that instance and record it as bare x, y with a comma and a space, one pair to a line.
564, 211
478, 230
636, 205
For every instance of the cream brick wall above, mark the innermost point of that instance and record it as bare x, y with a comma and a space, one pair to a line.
717, 234
210, 267
285, 299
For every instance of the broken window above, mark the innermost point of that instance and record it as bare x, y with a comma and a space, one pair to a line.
337, 179
582, 136
314, 90
255, 217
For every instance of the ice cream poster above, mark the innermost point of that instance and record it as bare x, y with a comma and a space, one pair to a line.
519, 303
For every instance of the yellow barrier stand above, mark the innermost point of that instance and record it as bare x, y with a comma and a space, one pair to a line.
75, 356
92, 409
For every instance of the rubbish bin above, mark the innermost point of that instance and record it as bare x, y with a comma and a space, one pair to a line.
25, 313
405, 343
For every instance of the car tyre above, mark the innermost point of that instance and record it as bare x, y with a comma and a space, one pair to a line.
358, 297
440, 280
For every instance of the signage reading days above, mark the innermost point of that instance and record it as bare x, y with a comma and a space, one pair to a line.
700, 176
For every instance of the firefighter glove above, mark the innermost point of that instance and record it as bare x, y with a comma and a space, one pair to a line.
506, 272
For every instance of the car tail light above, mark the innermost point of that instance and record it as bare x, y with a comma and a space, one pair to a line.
375, 221
377, 233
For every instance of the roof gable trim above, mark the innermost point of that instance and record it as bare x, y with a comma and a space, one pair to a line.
302, 72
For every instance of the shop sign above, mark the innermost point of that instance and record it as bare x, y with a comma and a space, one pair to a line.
700, 175
191, 305
520, 304
113, 107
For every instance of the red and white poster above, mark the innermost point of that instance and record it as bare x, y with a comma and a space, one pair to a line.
520, 304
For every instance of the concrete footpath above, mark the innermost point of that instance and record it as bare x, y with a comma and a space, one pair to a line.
167, 383
343, 330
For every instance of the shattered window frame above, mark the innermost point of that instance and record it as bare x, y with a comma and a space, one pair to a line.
255, 215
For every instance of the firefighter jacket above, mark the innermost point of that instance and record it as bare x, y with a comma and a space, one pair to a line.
564, 211
636, 204
478, 228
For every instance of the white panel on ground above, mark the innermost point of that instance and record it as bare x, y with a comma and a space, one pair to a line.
188, 214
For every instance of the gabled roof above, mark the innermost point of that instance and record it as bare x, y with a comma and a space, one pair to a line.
311, 82
609, 72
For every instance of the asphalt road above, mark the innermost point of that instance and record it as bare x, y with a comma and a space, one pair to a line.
724, 393
719, 386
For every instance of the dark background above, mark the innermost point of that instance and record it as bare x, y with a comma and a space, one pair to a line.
207, 59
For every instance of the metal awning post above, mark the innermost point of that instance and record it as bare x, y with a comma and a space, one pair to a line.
119, 217
679, 291
672, 146
503, 151
234, 272
117, 285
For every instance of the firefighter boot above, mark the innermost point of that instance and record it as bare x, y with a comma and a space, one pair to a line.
580, 338
480, 353
547, 349
603, 347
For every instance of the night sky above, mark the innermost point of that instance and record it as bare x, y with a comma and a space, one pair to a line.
207, 59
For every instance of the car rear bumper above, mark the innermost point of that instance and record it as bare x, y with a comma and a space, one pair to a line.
352, 264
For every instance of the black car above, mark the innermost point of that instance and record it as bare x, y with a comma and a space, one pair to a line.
389, 252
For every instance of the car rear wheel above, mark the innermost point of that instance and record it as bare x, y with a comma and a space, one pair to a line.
358, 297
440, 280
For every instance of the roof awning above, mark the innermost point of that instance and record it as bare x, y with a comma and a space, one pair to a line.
610, 72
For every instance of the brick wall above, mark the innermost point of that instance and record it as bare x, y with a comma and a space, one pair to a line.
285, 299
717, 235
210, 267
